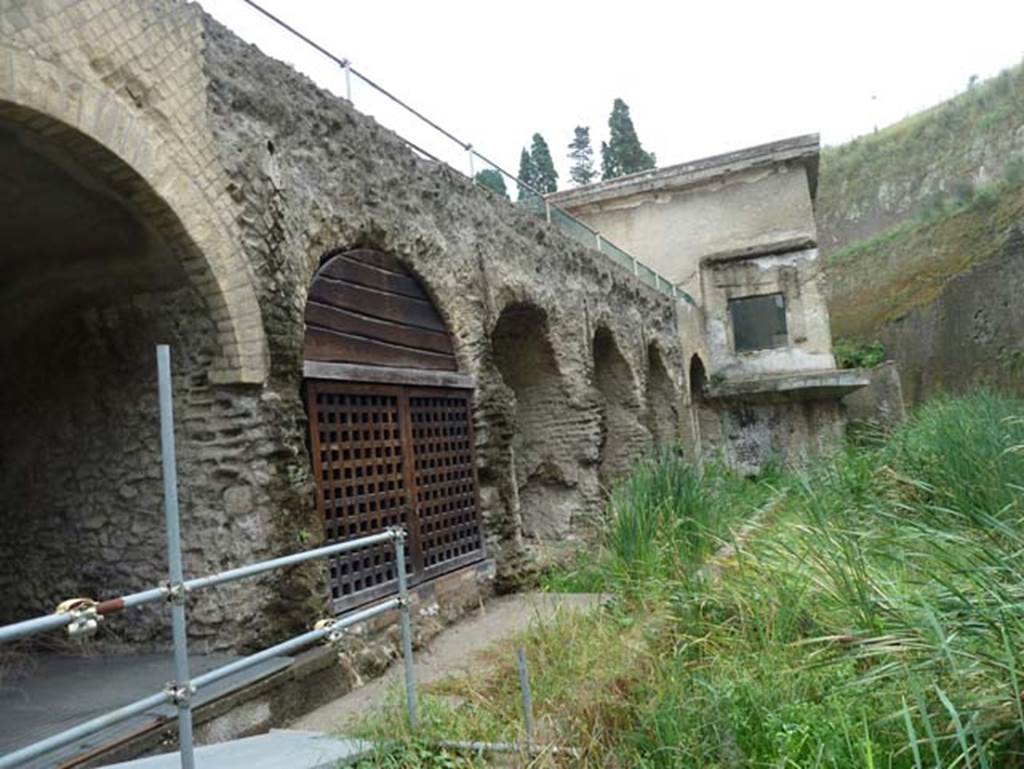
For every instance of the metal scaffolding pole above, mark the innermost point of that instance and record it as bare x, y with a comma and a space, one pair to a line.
182, 685
406, 625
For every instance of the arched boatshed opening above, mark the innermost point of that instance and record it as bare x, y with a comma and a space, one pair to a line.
391, 428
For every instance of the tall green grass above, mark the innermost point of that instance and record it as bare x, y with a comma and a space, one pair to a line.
668, 515
663, 520
877, 620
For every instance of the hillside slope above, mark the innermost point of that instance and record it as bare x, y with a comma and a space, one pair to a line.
878, 180
921, 227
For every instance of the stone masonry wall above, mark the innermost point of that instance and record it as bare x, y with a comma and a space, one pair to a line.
81, 499
313, 175
250, 175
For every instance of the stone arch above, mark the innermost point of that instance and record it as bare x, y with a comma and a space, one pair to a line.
661, 397
535, 425
390, 424
92, 129
698, 379
622, 437
93, 274
704, 420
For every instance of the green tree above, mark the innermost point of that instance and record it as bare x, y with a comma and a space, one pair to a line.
492, 180
623, 153
581, 157
527, 176
547, 176
609, 168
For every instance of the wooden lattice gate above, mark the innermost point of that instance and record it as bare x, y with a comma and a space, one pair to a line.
391, 433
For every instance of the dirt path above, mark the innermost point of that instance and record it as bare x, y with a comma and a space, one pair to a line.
452, 652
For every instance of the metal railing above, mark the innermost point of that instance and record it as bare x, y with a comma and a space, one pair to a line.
535, 202
82, 616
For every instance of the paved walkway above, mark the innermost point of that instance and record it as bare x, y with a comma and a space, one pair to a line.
452, 652
48, 693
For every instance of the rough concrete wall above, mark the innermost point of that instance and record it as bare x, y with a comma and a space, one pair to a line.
312, 175
122, 83
881, 402
542, 449
969, 336
623, 436
664, 407
749, 437
113, 94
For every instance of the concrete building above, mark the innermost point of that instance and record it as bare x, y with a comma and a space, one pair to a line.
737, 233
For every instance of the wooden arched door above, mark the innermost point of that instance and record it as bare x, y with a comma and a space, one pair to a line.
390, 420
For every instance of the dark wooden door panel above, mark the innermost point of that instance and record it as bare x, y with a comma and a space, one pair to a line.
332, 346
362, 273
336, 319
360, 481
445, 483
377, 304
388, 455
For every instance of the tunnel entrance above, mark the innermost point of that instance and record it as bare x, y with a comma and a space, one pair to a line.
662, 411
88, 287
706, 427
540, 425
622, 439
391, 427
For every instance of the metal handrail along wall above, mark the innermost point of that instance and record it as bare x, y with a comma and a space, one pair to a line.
81, 616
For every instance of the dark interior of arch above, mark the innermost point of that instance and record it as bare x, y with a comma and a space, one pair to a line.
536, 422
87, 288
662, 411
706, 427
623, 439
698, 379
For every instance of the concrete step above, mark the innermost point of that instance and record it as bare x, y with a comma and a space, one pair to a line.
277, 749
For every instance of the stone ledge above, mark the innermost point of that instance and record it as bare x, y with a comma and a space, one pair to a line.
801, 150
770, 247
801, 386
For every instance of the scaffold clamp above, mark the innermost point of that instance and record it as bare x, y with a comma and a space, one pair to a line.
85, 619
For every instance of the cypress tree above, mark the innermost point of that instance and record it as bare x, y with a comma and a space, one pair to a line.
547, 176
492, 180
609, 169
623, 153
527, 175
581, 156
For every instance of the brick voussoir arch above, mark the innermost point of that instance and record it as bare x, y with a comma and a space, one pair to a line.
106, 136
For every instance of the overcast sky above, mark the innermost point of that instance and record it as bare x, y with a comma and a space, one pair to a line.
700, 77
